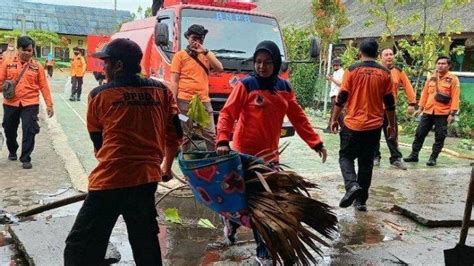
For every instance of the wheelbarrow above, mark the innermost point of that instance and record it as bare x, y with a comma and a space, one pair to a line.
461, 254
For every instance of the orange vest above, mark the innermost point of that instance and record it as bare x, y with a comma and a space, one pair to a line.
447, 84
366, 83
78, 66
28, 88
132, 149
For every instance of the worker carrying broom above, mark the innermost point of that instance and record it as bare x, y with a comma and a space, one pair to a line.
259, 103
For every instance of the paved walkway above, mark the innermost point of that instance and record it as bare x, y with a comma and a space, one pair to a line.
58, 172
22, 189
64, 155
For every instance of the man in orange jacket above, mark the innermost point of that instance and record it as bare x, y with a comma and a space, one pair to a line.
78, 69
365, 91
398, 78
134, 126
190, 76
439, 103
25, 104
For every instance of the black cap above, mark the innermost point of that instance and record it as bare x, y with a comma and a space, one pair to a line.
196, 29
121, 49
336, 61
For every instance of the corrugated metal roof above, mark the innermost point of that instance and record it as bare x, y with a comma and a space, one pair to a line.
298, 13
73, 20
358, 15
288, 12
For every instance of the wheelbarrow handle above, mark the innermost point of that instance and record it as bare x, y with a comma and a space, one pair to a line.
467, 210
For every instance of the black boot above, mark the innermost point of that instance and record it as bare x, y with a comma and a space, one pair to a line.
360, 205
350, 196
12, 157
432, 160
412, 158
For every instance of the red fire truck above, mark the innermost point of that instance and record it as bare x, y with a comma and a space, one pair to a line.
234, 32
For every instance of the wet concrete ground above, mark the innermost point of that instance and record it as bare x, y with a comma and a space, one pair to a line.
377, 237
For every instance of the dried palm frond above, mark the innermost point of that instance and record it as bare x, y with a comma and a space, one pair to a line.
282, 210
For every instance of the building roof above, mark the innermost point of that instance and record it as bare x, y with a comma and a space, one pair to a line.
288, 12
62, 19
298, 13
358, 16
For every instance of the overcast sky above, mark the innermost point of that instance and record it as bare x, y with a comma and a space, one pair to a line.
130, 5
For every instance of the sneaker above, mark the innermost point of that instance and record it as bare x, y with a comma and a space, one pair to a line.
412, 158
264, 261
78, 99
431, 161
362, 207
12, 157
27, 165
72, 99
377, 161
399, 165
350, 196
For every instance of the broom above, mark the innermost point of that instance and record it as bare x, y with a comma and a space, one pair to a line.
280, 206
282, 209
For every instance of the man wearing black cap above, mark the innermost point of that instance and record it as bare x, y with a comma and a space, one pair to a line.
134, 126
190, 76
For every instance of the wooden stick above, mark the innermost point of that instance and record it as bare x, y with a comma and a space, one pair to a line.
178, 178
169, 192
52, 205
467, 210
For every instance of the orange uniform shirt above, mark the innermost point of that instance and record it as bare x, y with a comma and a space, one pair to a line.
78, 66
447, 84
259, 114
400, 78
132, 123
366, 83
50, 62
193, 79
28, 88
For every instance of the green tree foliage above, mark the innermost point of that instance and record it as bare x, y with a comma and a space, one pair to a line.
329, 17
465, 126
10, 34
148, 12
303, 76
349, 56
140, 12
431, 37
44, 38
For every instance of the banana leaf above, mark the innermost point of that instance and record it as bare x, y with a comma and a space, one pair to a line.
198, 113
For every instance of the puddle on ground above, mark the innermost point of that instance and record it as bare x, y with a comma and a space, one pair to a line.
190, 244
386, 194
359, 234
359, 230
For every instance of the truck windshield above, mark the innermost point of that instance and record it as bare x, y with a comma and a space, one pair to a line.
232, 35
